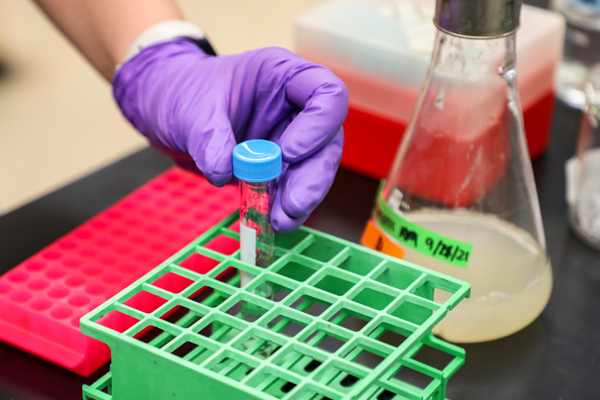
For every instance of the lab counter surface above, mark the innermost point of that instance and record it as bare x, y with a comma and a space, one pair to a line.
556, 357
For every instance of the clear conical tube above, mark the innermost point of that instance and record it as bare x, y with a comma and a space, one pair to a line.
463, 173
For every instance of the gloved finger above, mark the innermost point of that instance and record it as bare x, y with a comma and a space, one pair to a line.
283, 223
211, 147
323, 98
305, 185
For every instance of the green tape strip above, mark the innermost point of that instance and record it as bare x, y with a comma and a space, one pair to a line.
420, 239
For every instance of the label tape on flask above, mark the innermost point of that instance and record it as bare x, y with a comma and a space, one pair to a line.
411, 235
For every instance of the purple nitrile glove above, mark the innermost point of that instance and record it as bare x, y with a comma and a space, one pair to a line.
197, 107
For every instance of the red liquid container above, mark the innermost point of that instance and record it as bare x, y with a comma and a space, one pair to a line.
381, 50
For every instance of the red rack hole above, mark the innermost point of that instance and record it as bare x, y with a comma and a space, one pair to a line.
75, 281
72, 262
128, 267
182, 209
88, 252
107, 260
119, 232
172, 282
173, 236
172, 177
38, 284
188, 226
20, 297
199, 263
113, 214
79, 301
103, 242
139, 239
148, 212
84, 234
145, 302
35, 265
41, 304
117, 321
123, 249
99, 225
4, 288
52, 255
75, 322
68, 245
95, 289
153, 229
55, 273
58, 293
18, 276
223, 244
92, 270
111, 278
143, 257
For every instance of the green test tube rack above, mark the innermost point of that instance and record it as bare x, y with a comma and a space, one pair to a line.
205, 350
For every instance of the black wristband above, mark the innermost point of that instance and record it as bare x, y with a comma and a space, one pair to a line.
204, 44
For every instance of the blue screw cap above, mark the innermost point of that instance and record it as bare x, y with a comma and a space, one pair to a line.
257, 161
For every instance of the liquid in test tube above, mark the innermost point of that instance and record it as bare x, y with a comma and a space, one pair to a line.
257, 164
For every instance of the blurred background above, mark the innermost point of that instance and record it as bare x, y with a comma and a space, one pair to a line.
58, 120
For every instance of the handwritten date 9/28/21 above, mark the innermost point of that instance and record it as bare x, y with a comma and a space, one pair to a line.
449, 252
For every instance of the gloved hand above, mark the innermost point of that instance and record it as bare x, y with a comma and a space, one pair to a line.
197, 107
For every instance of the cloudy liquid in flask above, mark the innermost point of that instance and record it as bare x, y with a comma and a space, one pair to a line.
508, 271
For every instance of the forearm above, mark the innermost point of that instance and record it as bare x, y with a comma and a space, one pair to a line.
103, 30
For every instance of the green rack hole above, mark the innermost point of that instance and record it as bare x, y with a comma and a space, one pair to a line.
323, 250
172, 282
389, 334
325, 341
311, 305
413, 377
181, 316
288, 241
349, 380
277, 386
386, 395
236, 309
232, 369
220, 332
286, 326
258, 347
185, 349
360, 263
411, 312
209, 296
145, 302
366, 357
198, 263
350, 319
280, 292
296, 271
117, 321
398, 276
373, 299
335, 285
431, 356
155, 336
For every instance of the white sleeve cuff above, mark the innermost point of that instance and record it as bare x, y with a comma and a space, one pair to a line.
163, 32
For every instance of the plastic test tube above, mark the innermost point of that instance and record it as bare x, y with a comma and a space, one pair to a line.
257, 164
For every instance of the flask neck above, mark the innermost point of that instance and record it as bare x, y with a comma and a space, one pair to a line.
473, 60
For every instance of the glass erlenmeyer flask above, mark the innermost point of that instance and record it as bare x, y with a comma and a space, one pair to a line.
460, 197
